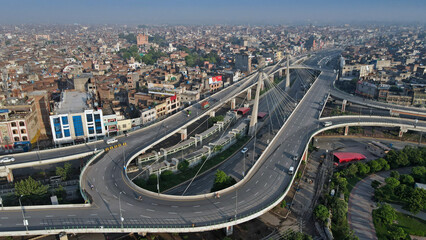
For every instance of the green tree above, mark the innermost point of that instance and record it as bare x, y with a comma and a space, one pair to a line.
321, 213
419, 173
183, 166
152, 179
397, 233
342, 182
406, 179
384, 165
386, 214
222, 181
392, 182
416, 201
30, 187
395, 174
363, 168
339, 210
352, 170
375, 166
60, 193
64, 172
283, 204
166, 174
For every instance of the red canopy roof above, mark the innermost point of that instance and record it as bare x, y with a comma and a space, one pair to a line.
261, 114
348, 156
243, 110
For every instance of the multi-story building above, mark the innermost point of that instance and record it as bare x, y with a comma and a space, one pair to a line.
148, 115
19, 123
142, 39
243, 62
74, 119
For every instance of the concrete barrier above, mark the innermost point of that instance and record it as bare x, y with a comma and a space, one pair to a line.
50, 161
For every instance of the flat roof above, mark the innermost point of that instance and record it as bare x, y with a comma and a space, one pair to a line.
348, 156
72, 102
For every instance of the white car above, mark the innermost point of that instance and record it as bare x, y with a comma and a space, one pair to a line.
7, 160
111, 141
244, 150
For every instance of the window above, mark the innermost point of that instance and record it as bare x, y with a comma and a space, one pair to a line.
24, 138
15, 131
21, 123
67, 133
78, 126
91, 130
23, 131
13, 124
89, 117
16, 139
65, 120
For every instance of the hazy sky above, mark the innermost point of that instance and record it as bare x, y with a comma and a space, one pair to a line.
210, 11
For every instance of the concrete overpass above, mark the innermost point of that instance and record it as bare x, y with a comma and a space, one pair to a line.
116, 207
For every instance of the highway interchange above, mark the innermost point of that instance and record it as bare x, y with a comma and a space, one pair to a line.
263, 186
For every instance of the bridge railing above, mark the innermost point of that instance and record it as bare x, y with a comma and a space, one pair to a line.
83, 192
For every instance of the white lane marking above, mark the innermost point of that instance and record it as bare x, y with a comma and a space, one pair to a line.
221, 208
169, 219
234, 197
275, 168
49, 215
242, 201
112, 175
174, 206
72, 215
106, 187
199, 212
103, 177
257, 181
265, 184
4, 217
270, 176
114, 196
130, 204
155, 204
145, 216
262, 173
171, 213
20, 224
124, 192
196, 206
248, 190
115, 184
94, 214
256, 193
216, 203
150, 210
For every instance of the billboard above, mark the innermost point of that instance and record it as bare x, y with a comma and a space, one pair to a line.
216, 79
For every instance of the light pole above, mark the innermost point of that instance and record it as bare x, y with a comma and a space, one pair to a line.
23, 215
119, 206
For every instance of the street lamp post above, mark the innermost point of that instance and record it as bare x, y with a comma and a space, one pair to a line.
25, 221
119, 206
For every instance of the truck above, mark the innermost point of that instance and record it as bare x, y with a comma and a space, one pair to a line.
205, 105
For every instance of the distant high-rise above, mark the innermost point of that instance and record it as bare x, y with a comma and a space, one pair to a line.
142, 39
243, 62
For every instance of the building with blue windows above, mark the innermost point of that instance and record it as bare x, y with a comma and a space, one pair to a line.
75, 121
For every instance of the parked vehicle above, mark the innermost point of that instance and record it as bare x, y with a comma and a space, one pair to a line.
291, 170
296, 157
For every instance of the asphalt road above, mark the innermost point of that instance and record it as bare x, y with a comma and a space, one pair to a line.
269, 181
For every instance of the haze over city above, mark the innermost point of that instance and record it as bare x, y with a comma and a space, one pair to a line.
211, 12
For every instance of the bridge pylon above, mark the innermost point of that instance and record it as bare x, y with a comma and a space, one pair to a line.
253, 119
287, 73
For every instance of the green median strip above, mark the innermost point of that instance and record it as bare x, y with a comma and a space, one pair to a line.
168, 180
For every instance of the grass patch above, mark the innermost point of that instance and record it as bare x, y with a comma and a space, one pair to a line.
175, 179
411, 225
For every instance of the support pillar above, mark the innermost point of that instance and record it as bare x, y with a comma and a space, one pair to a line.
195, 141
233, 103
253, 119
9, 175
229, 230
287, 73
344, 105
346, 130
199, 138
402, 131
249, 94
183, 134
280, 73
164, 153
212, 113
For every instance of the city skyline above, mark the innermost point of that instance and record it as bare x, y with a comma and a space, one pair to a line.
219, 12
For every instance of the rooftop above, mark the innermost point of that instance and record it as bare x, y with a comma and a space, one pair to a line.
72, 102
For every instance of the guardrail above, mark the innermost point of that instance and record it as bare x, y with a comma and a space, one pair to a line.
82, 191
